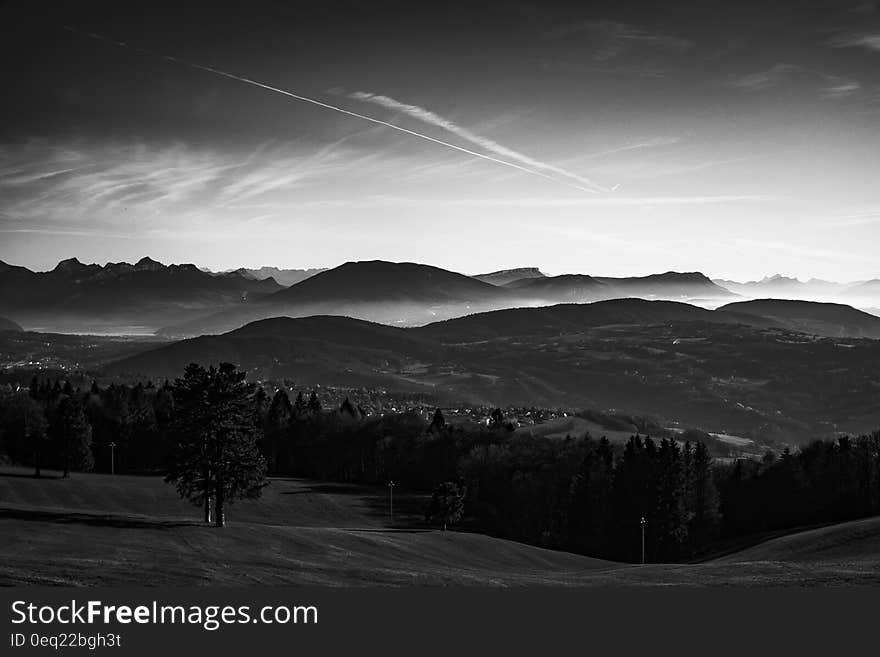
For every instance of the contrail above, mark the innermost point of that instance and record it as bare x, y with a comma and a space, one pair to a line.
431, 118
341, 110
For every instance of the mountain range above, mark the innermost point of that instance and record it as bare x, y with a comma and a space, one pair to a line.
580, 287
402, 294
182, 301
410, 294
814, 289
284, 277
147, 293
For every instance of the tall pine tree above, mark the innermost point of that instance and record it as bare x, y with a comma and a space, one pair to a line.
215, 456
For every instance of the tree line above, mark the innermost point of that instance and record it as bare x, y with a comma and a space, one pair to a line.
216, 437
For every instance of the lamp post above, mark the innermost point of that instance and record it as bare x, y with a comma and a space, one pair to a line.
112, 458
391, 499
642, 523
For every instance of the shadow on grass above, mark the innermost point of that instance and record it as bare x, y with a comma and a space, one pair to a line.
409, 508
30, 475
409, 511
393, 530
327, 489
68, 517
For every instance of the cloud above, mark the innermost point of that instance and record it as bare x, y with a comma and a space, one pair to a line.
377, 201
613, 38
867, 41
807, 252
765, 79
831, 86
431, 118
37, 230
866, 218
587, 185
842, 90
644, 168
654, 142
122, 183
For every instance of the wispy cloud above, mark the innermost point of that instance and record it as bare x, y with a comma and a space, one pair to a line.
588, 186
841, 90
808, 252
125, 182
831, 86
61, 231
654, 142
613, 38
645, 168
378, 201
866, 218
770, 77
431, 118
865, 40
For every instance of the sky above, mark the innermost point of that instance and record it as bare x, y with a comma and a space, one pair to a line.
608, 138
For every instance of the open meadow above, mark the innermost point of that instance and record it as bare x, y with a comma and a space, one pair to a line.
94, 529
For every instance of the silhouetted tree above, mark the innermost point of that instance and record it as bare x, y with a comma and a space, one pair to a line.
215, 455
300, 407
704, 516
24, 429
314, 405
438, 422
447, 504
261, 406
276, 428
74, 436
349, 411
670, 514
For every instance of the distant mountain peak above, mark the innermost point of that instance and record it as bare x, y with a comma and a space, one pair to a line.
70, 265
506, 276
521, 271
779, 278
148, 264
682, 276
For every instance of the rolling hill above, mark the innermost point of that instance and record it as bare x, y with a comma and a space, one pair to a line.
281, 346
574, 318
305, 532
299, 532
827, 319
727, 372
855, 540
332, 350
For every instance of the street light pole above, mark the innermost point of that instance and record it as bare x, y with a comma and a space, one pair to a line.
391, 499
112, 458
642, 523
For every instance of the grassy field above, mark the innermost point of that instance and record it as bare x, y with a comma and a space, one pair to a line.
114, 530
